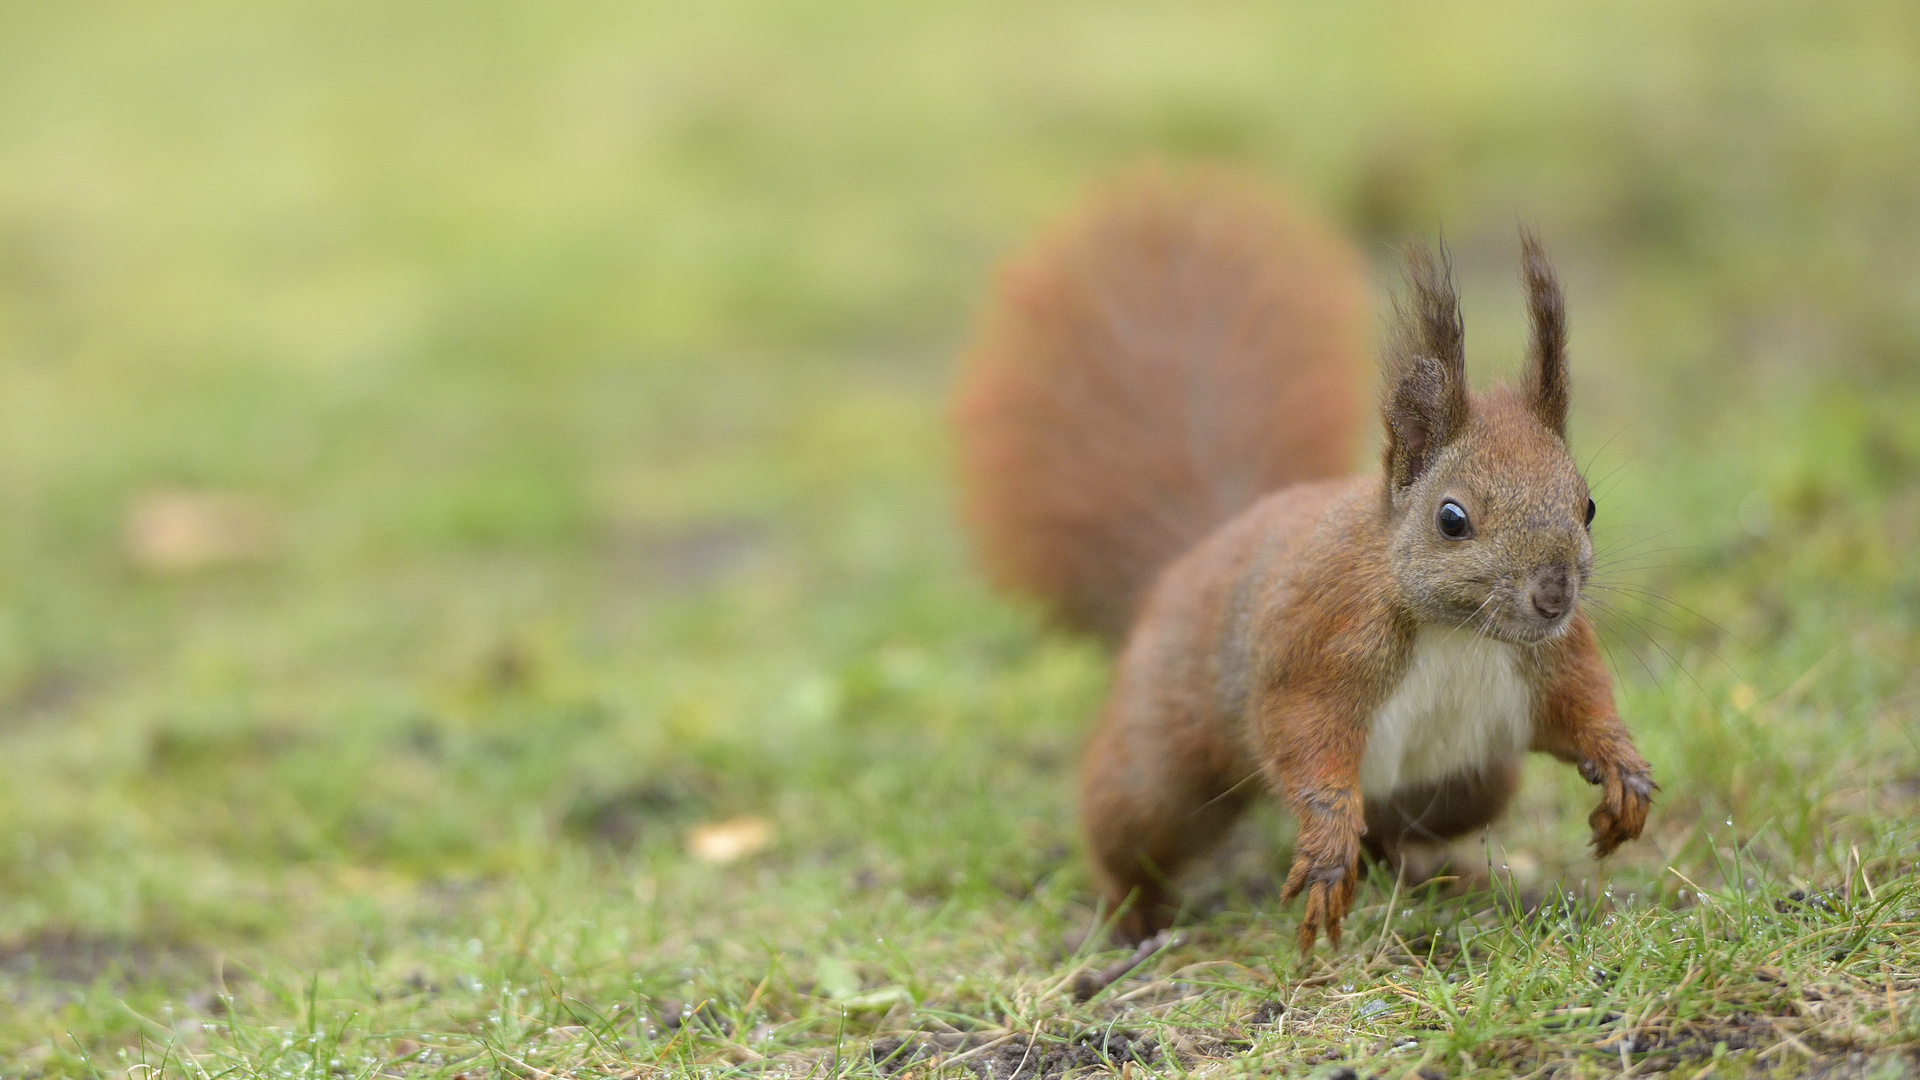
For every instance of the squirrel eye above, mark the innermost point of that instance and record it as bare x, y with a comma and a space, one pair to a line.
1452, 521
1589, 513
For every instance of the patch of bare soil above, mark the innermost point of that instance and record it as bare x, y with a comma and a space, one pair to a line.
1021, 1057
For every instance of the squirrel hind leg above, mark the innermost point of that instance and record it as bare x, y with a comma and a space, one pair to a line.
1147, 813
1409, 830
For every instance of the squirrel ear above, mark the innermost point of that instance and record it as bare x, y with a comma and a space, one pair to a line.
1545, 383
1425, 404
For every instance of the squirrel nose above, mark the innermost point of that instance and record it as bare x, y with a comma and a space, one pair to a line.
1551, 592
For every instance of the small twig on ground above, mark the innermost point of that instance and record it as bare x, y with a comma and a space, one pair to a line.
1024, 1054
1087, 985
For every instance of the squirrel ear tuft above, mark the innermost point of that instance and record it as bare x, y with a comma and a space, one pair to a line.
1425, 403
1545, 383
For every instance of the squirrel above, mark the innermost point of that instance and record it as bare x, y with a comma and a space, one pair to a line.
1154, 426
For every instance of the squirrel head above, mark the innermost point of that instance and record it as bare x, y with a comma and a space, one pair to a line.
1487, 514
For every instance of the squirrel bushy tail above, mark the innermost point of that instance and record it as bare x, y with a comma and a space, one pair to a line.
1184, 344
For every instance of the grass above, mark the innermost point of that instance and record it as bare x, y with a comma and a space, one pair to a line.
588, 364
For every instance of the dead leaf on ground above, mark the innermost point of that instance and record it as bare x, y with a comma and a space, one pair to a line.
178, 531
722, 842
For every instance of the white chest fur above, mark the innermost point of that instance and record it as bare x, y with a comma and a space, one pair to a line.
1461, 704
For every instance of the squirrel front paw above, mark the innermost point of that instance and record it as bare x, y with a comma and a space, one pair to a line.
1627, 795
1329, 879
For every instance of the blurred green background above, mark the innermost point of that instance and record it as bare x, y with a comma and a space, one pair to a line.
447, 451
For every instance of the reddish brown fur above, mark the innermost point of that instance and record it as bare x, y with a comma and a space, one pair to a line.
1186, 344
1546, 378
1262, 654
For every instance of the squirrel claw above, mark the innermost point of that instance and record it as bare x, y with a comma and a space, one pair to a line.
1623, 808
1329, 889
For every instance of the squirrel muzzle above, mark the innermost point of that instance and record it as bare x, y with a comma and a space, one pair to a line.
1551, 592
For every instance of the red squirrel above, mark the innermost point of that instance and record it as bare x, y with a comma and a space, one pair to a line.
1153, 430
